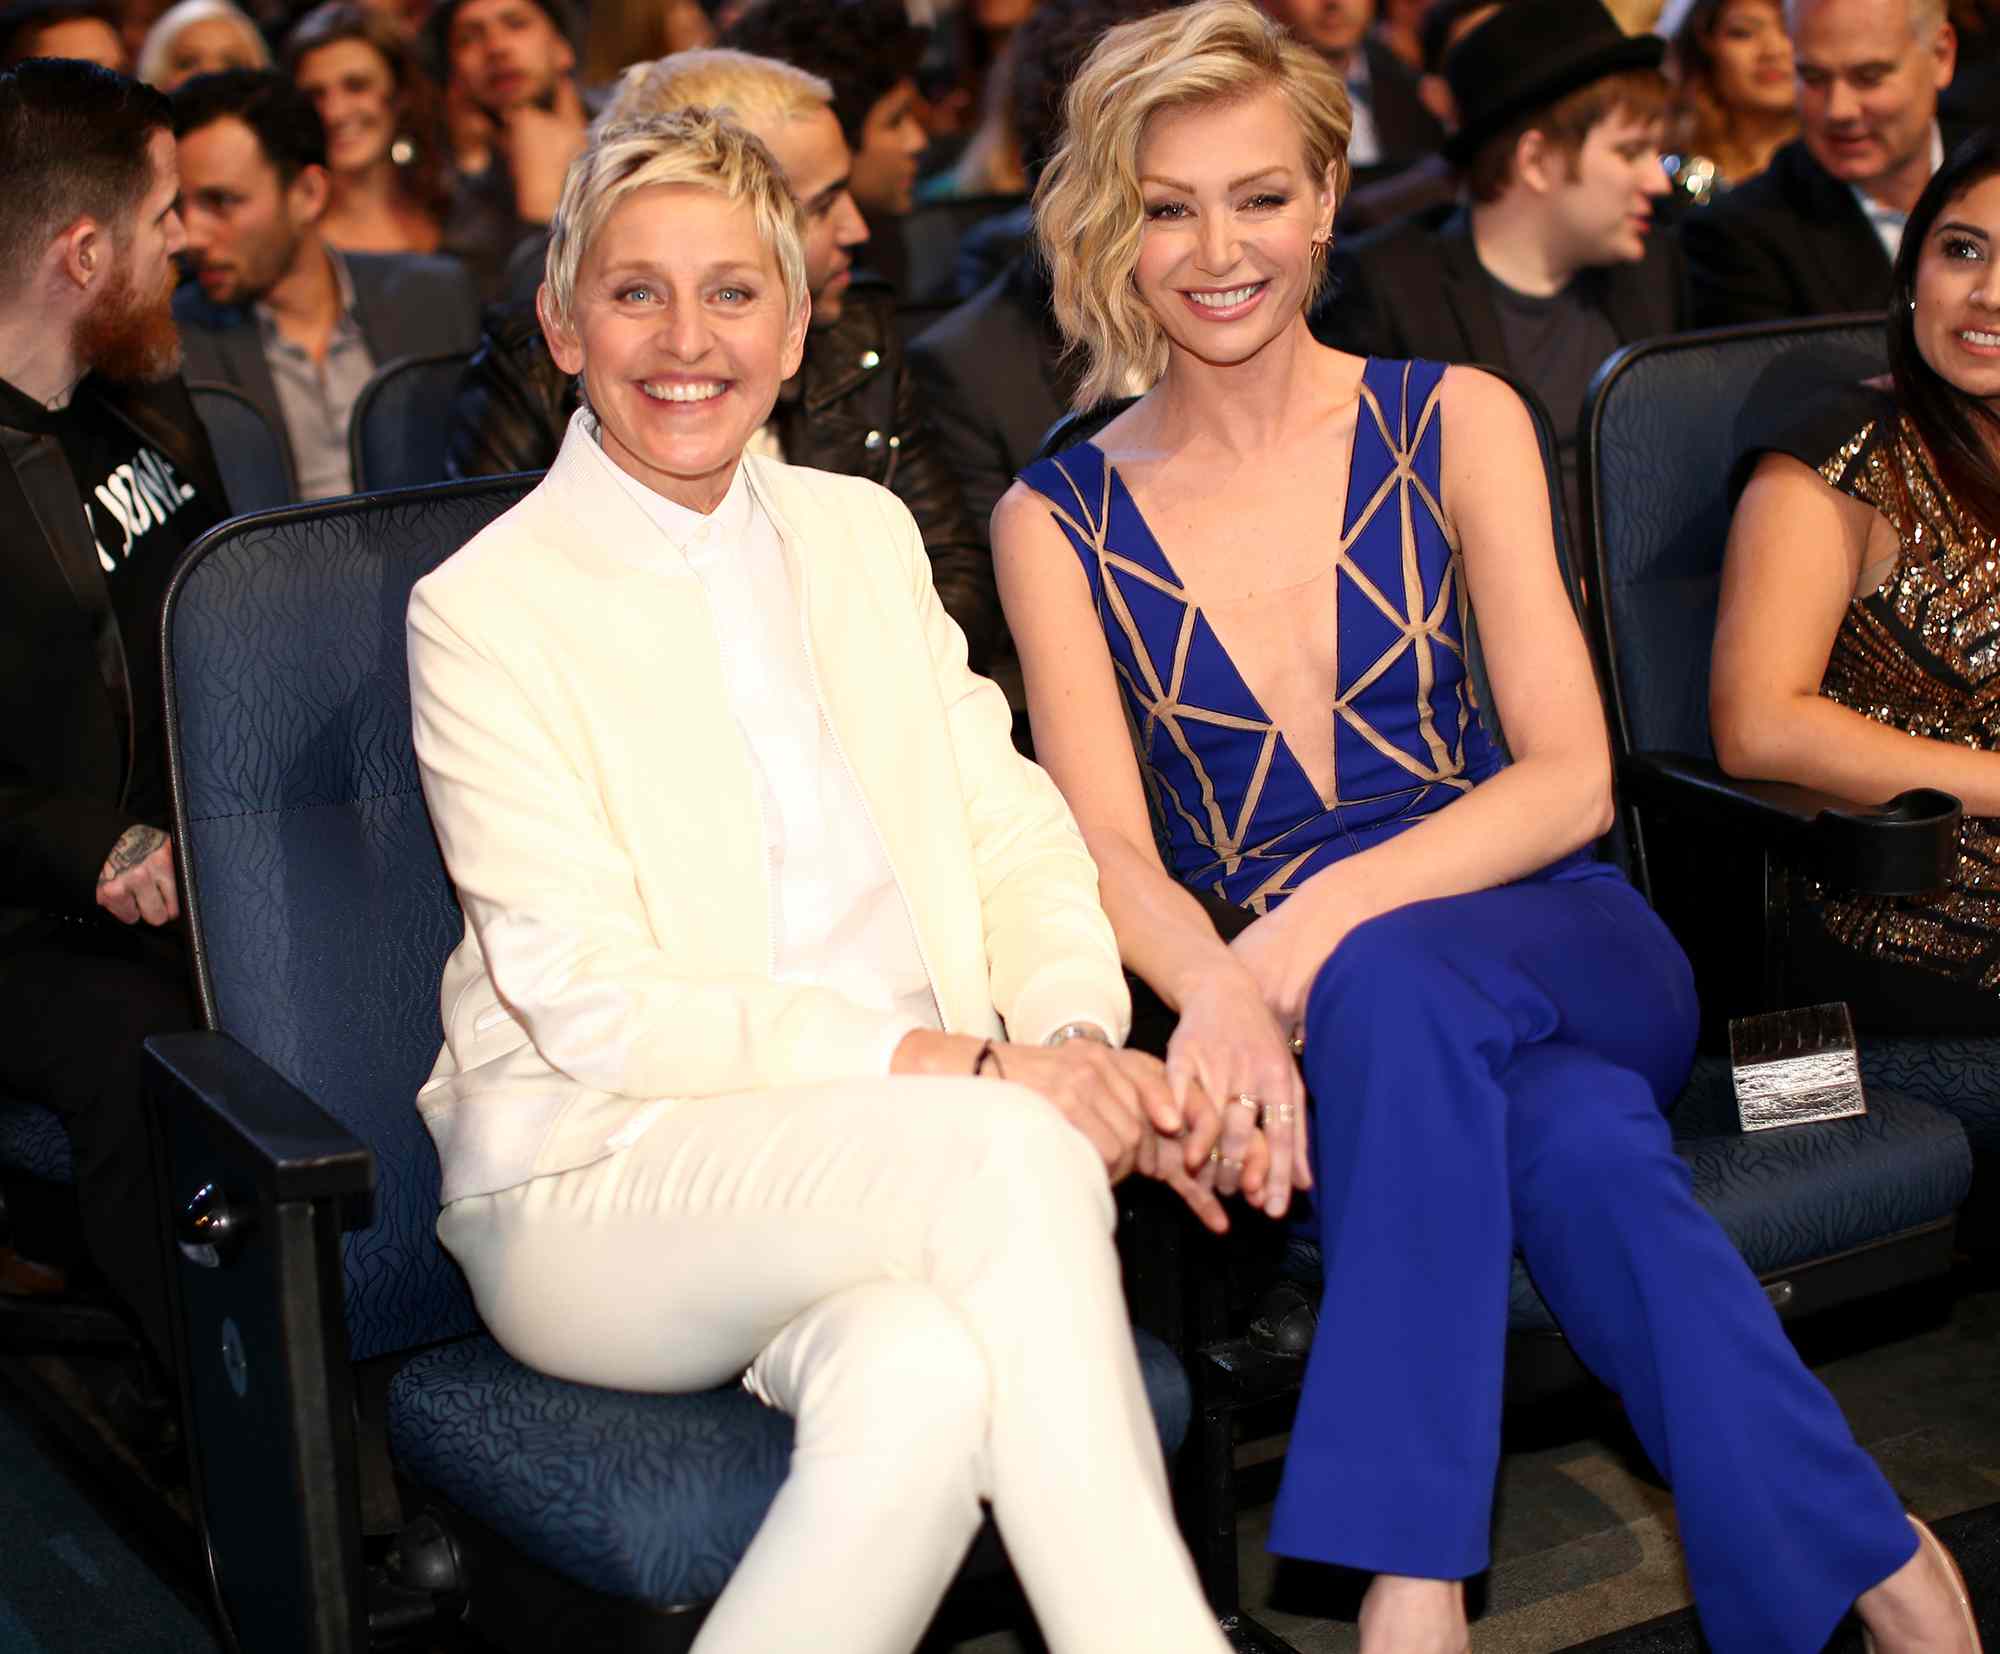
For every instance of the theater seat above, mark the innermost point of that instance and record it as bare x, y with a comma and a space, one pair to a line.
342, 1397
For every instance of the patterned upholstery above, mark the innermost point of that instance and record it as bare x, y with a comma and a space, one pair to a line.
1656, 471
320, 904
251, 453
1799, 1194
33, 1143
643, 1496
1961, 1076
322, 918
402, 422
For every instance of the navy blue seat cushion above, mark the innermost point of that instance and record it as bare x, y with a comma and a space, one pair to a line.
1801, 1193
33, 1143
1960, 1076
650, 1497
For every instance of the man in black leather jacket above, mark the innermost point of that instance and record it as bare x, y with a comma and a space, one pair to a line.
852, 407
105, 478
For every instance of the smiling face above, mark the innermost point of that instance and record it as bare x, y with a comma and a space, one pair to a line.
354, 89
207, 47
1602, 213
679, 328
1226, 257
893, 140
1752, 56
1958, 293
1868, 86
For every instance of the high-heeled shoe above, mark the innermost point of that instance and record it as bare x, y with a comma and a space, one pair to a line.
1928, 1541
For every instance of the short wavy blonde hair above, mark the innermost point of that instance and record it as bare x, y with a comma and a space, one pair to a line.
1089, 212
756, 90
694, 147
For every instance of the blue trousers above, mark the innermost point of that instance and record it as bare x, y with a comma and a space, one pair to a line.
1489, 1073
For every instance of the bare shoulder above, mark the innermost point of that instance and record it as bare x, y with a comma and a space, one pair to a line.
1479, 402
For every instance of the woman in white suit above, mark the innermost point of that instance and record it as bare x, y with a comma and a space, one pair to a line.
783, 1032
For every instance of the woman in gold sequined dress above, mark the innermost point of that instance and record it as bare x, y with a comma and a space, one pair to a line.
1861, 599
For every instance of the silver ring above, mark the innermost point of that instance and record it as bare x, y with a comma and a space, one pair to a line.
1231, 1161
1286, 1113
1243, 1099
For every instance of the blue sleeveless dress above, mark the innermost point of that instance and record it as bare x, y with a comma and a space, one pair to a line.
1489, 1073
1236, 812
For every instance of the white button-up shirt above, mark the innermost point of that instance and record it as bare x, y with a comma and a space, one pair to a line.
837, 917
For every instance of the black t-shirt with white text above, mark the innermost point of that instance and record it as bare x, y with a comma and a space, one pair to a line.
142, 514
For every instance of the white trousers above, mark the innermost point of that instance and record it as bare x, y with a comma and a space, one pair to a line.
919, 1271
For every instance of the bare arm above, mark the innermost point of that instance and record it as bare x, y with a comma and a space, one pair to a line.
1797, 549
1226, 1043
1556, 795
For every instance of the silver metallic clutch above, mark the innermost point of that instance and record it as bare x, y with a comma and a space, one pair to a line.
1793, 1068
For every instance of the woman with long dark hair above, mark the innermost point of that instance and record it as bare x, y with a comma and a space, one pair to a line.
1861, 602
1735, 98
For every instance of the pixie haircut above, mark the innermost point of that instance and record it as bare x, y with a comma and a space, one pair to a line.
691, 147
756, 89
1089, 212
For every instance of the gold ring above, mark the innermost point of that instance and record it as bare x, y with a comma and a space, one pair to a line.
1243, 1099
1298, 1045
1214, 1155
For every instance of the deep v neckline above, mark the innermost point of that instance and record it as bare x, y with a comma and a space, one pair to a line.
1116, 484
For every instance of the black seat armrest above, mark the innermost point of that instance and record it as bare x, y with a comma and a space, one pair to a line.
1904, 847
273, 1130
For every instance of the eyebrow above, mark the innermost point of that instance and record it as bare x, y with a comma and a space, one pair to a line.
1233, 184
825, 196
640, 267
1962, 228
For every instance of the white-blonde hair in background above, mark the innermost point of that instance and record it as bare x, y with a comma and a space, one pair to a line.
691, 147
1089, 211
758, 90
160, 37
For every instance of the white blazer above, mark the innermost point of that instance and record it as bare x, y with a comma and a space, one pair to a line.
595, 804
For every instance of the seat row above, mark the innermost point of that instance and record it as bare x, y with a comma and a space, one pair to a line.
406, 1469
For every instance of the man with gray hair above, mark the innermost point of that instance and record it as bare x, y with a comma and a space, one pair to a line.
1816, 233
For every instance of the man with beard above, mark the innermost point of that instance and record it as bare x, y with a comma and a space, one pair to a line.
512, 62
105, 477
291, 322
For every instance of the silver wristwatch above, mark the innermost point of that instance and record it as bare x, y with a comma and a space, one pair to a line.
1078, 1030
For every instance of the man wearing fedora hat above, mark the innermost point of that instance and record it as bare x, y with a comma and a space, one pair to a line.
1555, 260
1815, 233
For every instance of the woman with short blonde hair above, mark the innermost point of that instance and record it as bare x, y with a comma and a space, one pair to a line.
1244, 611
200, 37
784, 991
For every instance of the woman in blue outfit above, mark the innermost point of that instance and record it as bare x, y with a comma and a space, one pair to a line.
1262, 572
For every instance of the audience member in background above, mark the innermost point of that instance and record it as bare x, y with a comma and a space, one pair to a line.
1974, 92
1399, 26
868, 52
620, 33
1735, 99
993, 372
852, 407
779, 1037
294, 325
1556, 261
989, 164
105, 478
1861, 608
1491, 1020
135, 21
385, 137
511, 63
1816, 232
1392, 128
62, 28
976, 38
200, 37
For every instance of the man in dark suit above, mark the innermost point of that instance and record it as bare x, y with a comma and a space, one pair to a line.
1557, 261
1392, 127
105, 478
1816, 232
273, 310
